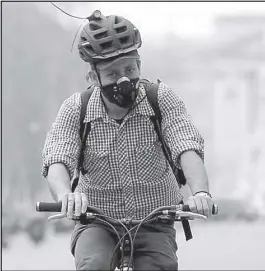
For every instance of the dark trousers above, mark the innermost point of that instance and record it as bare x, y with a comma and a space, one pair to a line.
154, 248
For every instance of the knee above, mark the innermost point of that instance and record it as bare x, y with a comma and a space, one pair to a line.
93, 262
171, 265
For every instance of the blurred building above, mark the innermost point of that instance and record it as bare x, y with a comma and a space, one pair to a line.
239, 108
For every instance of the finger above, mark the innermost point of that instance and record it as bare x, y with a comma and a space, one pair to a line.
205, 206
70, 209
192, 204
64, 200
78, 203
84, 203
199, 206
210, 204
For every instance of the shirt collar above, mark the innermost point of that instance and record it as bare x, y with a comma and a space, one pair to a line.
95, 107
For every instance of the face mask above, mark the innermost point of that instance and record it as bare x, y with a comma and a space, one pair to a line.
122, 93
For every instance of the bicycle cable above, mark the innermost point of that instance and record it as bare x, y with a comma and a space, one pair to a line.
142, 221
109, 224
148, 216
116, 232
127, 232
130, 230
137, 229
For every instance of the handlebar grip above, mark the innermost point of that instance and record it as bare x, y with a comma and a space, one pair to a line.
57, 207
48, 206
186, 208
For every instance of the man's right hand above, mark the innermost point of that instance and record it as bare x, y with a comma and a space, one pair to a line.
73, 204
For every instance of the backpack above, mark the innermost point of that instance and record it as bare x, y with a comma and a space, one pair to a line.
151, 93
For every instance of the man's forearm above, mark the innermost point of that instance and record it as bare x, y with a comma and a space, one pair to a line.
194, 171
58, 180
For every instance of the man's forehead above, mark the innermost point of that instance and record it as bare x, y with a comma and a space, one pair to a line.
124, 60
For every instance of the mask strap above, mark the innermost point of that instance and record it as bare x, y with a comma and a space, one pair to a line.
98, 75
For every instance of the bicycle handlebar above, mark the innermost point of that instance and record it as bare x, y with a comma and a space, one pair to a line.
173, 213
57, 206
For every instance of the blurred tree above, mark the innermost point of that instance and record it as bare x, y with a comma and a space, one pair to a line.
39, 72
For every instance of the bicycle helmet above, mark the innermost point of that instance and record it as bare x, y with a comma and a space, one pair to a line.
107, 37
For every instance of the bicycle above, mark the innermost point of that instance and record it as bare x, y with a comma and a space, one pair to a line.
165, 213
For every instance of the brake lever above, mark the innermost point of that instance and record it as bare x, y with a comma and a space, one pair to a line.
189, 215
56, 217
82, 217
60, 216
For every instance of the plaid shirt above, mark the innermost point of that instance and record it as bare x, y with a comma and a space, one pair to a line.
127, 173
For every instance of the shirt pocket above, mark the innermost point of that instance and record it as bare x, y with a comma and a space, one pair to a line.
97, 168
151, 162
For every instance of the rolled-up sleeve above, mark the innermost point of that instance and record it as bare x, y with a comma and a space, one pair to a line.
178, 128
62, 144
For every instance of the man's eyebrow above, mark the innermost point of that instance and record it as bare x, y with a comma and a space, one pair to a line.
108, 70
130, 65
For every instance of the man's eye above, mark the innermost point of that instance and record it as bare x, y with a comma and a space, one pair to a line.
112, 74
131, 70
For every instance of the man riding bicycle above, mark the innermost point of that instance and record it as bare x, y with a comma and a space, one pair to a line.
126, 173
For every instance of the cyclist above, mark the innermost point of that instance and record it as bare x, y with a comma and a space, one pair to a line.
126, 174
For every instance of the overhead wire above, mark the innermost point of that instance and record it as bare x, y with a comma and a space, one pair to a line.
73, 16
77, 17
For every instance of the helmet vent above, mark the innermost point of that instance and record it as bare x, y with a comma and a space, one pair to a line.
121, 29
124, 39
117, 20
94, 26
101, 35
87, 46
106, 45
83, 39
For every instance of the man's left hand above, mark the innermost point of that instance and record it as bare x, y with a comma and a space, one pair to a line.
201, 203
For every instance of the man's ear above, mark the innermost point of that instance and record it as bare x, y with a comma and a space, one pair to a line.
93, 77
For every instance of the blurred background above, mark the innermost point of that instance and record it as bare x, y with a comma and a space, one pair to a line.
211, 54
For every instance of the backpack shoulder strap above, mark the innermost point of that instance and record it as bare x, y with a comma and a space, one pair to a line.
152, 96
85, 95
83, 132
151, 93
